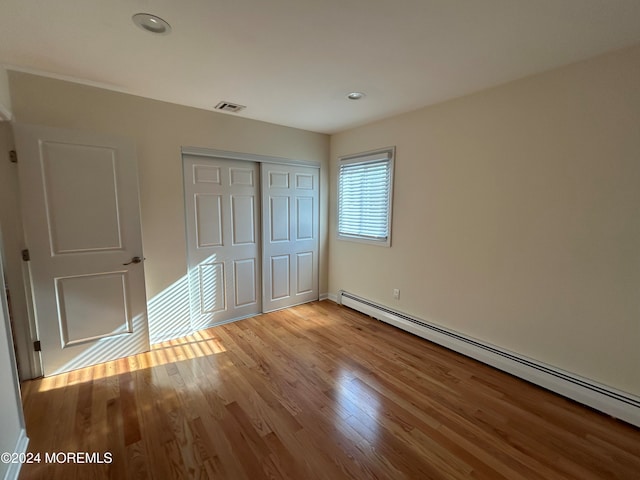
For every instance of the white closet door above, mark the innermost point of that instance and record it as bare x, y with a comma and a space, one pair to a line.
290, 235
223, 235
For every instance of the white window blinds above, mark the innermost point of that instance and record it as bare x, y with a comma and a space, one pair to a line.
364, 197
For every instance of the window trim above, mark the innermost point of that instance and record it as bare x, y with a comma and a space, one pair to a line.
387, 153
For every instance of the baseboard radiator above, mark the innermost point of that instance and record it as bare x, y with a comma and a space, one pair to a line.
618, 404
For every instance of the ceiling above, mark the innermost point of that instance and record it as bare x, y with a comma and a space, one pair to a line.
292, 62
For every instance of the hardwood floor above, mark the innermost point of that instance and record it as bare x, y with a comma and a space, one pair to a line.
315, 392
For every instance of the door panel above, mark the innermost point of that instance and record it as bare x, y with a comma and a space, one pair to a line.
243, 220
206, 174
290, 232
305, 272
222, 198
211, 288
279, 219
304, 216
278, 179
280, 277
245, 282
85, 296
242, 176
208, 220
82, 216
79, 194
304, 181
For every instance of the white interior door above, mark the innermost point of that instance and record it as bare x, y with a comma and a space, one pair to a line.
223, 237
290, 235
79, 194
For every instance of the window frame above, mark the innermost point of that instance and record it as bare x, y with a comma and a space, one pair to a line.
373, 156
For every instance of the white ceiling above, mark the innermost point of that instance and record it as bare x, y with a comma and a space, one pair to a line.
292, 62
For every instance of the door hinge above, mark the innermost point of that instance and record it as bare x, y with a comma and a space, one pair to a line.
25, 255
13, 156
36, 346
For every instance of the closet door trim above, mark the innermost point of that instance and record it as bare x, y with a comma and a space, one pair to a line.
249, 157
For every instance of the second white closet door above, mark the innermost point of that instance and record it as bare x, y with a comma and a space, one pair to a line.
290, 213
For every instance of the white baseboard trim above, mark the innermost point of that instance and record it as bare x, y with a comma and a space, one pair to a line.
21, 447
616, 403
329, 296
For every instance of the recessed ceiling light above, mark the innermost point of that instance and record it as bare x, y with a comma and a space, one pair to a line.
355, 95
151, 23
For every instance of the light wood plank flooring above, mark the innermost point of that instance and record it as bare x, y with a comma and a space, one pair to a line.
316, 392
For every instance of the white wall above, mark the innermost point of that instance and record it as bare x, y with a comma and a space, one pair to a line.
516, 218
160, 130
12, 434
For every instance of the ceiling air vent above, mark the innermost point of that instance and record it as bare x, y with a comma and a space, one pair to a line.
229, 107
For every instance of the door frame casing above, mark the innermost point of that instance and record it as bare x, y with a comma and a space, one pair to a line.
16, 270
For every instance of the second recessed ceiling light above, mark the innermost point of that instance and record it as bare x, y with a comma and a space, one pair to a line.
356, 96
151, 23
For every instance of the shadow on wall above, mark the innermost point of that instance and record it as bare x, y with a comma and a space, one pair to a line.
168, 311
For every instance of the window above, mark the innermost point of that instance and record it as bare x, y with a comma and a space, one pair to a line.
365, 184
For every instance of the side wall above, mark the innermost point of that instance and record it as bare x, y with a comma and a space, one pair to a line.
160, 130
13, 438
515, 218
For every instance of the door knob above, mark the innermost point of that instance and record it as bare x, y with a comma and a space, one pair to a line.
133, 260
